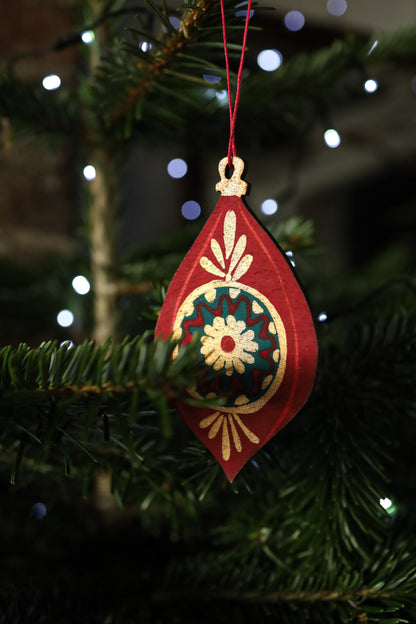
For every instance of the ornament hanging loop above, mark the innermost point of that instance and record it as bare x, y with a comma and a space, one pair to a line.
234, 185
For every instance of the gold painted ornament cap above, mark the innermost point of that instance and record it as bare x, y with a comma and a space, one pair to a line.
233, 186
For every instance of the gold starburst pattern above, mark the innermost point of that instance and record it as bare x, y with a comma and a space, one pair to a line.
229, 423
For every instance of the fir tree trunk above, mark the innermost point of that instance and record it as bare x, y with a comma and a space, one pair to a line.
102, 216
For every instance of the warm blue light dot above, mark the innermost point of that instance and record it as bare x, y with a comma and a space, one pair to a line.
38, 511
81, 285
177, 168
88, 37
370, 85
269, 206
332, 138
65, 318
89, 172
269, 60
375, 44
211, 78
294, 20
176, 22
336, 7
51, 82
242, 10
67, 343
221, 95
322, 317
191, 210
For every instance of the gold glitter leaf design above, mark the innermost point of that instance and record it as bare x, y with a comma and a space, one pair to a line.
229, 232
236, 437
216, 421
210, 267
226, 447
238, 263
237, 253
251, 436
206, 422
216, 250
215, 427
243, 267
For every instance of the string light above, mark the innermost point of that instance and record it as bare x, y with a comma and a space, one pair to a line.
177, 168
289, 254
191, 210
269, 206
322, 317
88, 36
269, 60
145, 46
370, 85
51, 82
332, 138
67, 343
81, 285
336, 7
294, 21
388, 505
221, 95
89, 172
65, 318
375, 44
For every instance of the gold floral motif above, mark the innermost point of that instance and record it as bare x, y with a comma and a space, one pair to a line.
275, 327
227, 343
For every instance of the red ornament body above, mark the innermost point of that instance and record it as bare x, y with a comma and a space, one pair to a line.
237, 290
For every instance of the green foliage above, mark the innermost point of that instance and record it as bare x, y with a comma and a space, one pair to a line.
126, 95
300, 537
302, 532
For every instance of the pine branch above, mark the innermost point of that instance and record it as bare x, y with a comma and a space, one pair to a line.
154, 70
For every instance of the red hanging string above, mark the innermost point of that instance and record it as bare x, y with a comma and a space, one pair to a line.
233, 108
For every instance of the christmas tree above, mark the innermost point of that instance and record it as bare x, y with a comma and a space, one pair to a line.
112, 511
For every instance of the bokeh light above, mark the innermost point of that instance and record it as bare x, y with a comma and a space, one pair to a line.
332, 138
191, 210
65, 318
269, 60
370, 85
81, 285
269, 206
177, 168
89, 172
88, 36
336, 7
51, 82
294, 20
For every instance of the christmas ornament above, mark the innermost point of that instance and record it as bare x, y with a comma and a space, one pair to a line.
237, 291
